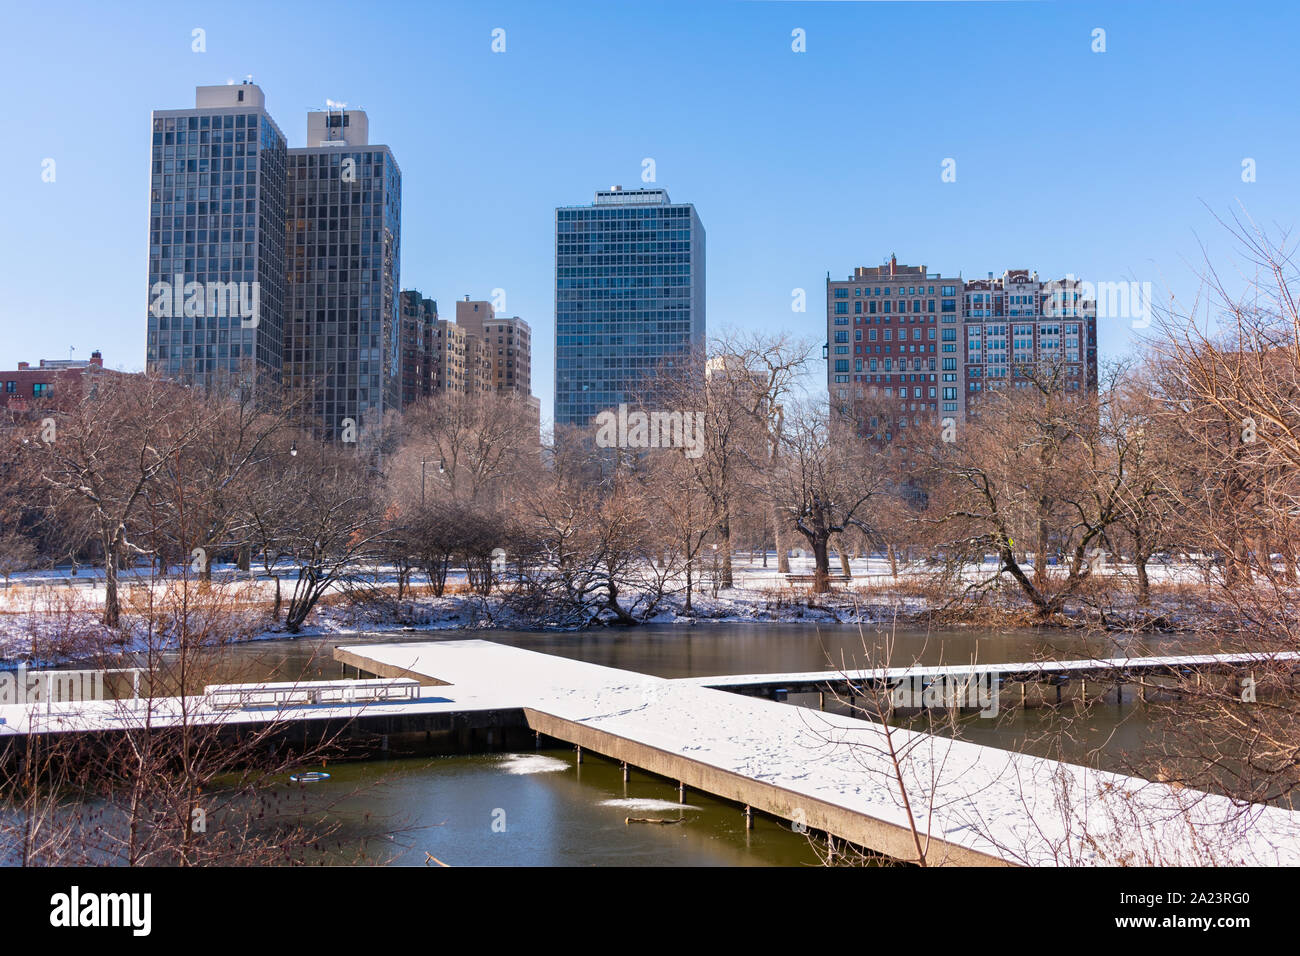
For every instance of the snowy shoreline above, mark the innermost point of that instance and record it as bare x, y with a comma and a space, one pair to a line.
50, 618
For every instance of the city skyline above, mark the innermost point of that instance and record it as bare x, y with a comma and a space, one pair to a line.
771, 152
918, 482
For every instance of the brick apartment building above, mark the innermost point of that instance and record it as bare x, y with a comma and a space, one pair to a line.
508, 341
26, 388
419, 321
479, 352
920, 347
892, 344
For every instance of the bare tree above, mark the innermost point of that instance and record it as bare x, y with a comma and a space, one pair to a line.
828, 480
104, 453
336, 523
1037, 463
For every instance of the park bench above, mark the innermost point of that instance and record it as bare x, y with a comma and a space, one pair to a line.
810, 578
311, 692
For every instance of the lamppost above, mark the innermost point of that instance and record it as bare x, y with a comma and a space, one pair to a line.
423, 463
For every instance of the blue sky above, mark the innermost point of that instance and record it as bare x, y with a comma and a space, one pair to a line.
1097, 164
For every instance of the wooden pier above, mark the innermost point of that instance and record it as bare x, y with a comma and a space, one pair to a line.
966, 804
906, 794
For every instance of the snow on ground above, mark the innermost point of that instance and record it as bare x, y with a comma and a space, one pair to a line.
52, 615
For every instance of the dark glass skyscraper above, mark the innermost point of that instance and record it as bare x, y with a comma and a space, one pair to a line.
216, 236
629, 298
343, 332
276, 261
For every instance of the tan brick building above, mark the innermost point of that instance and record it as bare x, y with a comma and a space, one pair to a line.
508, 342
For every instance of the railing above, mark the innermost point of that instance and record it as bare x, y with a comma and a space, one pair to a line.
311, 692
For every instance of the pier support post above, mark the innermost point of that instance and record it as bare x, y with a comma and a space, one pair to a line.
1119, 693
821, 700
749, 817
1024, 691
625, 771
681, 792
537, 739
579, 750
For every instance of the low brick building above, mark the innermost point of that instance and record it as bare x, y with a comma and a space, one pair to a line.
26, 387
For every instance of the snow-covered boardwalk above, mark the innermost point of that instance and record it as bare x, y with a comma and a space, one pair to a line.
95, 716
902, 793
965, 803
1107, 669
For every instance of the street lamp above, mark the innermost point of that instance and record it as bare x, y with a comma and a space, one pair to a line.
423, 463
